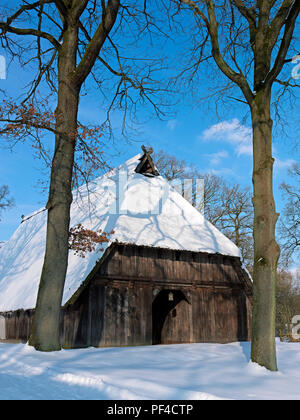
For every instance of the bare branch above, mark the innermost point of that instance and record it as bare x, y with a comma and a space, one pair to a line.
248, 13
212, 27
33, 32
93, 49
289, 24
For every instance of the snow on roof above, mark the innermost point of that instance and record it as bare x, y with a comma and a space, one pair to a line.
141, 210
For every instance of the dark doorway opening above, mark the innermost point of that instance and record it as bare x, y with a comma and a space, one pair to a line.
163, 306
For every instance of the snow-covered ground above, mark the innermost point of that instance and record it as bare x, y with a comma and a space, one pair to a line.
184, 371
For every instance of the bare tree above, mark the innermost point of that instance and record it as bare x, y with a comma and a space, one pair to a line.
174, 169
6, 201
226, 206
289, 223
250, 42
287, 299
68, 40
234, 217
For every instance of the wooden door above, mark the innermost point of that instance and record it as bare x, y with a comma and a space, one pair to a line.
171, 318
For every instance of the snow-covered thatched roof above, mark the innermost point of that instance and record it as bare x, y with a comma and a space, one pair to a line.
141, 210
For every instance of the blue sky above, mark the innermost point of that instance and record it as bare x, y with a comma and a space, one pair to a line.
217, 143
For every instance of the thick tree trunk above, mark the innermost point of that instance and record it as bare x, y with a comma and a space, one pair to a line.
45, 333
266, 250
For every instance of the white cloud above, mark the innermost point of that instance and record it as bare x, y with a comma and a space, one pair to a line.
172, 124
232, 132
239, 137
216, 158
283, 164
222, 172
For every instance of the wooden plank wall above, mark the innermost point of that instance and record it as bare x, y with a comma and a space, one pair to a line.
171, 266
18, 324
109, 316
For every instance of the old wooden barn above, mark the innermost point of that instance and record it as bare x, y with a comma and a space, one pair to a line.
166, 276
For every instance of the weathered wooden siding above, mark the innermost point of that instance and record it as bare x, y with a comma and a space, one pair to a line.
108, 316
172, 267
18, 325
178, 325
118, 304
